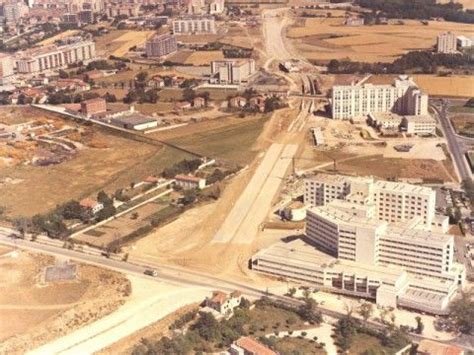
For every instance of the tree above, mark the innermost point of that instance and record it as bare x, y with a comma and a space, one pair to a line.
365, 310
292, 291
63, 74
110, 97
309, 312
189, 94
462, 313
208, 327
419, 325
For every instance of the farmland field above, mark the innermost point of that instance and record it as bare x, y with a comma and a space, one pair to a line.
231, 142
118, 42
446, 86
328, 38
204, 57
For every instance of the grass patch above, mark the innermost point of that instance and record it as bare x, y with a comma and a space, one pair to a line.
461, 109
291, 345
234, 142
364, 342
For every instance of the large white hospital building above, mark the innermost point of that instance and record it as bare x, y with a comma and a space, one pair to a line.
358, 100
374, 239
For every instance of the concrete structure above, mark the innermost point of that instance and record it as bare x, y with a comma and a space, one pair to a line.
194, 25
222, 303
54, 57
391, 201
446, 43
6, 69
317, 135
94, 107
464, 42
354, 21
249, 346
411, 124
388, 285
358, 100
231, 71
190, 182
375, 239
122, 9
294, 211
216, 7
136, 121
161, 45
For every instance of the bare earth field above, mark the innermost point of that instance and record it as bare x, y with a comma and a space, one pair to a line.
118, 42
39, 189
328, 38
204, 57
463, 124
34, 312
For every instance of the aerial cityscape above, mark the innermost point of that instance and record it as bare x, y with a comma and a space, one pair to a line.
241, 177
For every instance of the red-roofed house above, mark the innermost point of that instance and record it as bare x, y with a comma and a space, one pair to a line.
94, 107
249, 346
37, 95
224, 303
76, 85
91, 205
190, 182
430, 347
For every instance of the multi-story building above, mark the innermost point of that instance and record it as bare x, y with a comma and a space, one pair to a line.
14, 11
391, 201
446, 43
194, 25
94, 107
54, 57
232, 71
371, 239
464, 42
122, 9
161, 45
358, 100
6, 68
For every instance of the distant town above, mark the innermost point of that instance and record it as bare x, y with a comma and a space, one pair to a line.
236, 177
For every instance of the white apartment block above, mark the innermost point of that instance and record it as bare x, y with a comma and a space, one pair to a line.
194, 25
232, 71
54, 57
464, 42
13, 12
6, 69
371, 239
390, 201
446, 43
359, 100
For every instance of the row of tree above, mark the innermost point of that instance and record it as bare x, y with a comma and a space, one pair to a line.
419, 9
423, 61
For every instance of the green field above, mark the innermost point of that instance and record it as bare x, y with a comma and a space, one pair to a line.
234, 142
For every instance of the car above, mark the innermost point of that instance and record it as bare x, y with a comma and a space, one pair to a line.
151, 272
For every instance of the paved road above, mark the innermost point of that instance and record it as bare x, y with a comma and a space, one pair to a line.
183, 277
453, 143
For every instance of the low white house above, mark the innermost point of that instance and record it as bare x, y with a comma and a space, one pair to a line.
223, 303
190, 182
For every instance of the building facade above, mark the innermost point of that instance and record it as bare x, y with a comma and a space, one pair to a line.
54, 57
6, 69
446, 43
391, 201
356, 101
373, 239
161, 45
194, 25
232, 71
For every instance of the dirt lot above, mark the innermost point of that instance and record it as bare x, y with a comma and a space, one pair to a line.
33, 312
463, 124
204, 57
114, 161
328, 38
118, 42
